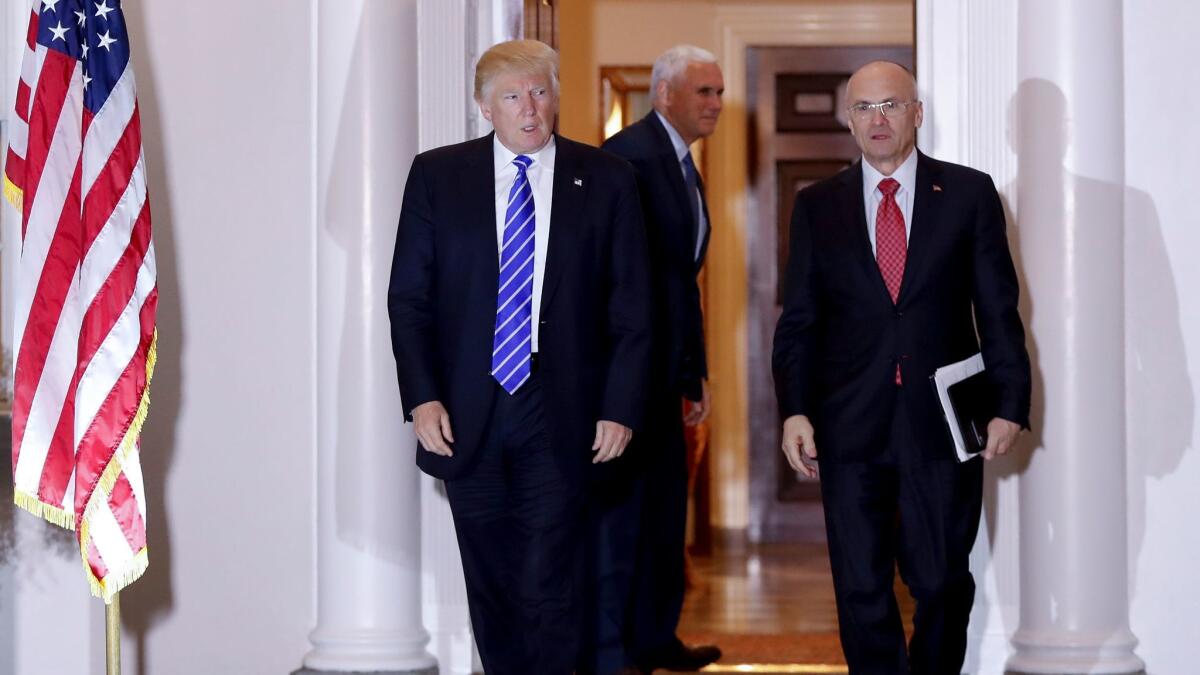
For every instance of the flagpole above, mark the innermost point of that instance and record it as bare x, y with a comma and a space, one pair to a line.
112, 635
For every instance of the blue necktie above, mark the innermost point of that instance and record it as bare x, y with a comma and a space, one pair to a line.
514, 304
691, 179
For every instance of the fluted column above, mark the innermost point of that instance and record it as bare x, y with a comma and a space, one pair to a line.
368, 506
1074, 615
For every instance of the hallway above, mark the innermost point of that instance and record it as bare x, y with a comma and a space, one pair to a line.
770, 607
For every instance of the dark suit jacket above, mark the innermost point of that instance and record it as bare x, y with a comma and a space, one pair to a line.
679, 360
594, 334
840, 336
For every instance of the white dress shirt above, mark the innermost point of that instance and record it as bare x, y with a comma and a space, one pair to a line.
906, 175
541, 181
681, 151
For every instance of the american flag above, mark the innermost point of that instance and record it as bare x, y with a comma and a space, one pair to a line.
86, 288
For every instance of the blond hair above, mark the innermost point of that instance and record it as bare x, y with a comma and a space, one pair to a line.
520, 56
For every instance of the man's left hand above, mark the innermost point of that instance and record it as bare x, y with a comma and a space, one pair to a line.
611, 439
695, 412
1001, 435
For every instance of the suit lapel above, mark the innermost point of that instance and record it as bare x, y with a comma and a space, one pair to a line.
856, 214
670, 167
570, 189
926, 208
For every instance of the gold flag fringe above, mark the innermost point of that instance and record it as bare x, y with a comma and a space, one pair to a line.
107, 588
14, 194
41, 509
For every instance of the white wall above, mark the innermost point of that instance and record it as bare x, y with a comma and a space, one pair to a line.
1162, 234
228, 451
229, 448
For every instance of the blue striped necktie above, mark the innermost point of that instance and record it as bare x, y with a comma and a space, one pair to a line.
511, 348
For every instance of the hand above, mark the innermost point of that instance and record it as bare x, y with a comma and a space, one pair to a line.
799, 446
695, 412
611, 439
432, 424
1001, 435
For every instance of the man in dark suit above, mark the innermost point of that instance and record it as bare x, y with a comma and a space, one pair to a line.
898, 265
521, 334
642, 503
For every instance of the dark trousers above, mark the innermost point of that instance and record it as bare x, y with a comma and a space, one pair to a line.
518, 523
638, 524
923, 515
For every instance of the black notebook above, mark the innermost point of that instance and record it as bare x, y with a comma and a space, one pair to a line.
968, 403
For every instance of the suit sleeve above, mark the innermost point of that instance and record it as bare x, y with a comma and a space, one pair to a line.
995, 294
411, 296
695, 361
628, 310
793, 352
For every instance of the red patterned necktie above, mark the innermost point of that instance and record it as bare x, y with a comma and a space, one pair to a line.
891, 244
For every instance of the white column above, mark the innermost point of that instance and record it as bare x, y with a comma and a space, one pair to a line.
966, 68
444, 85
1070, 122
451, 35
368, 519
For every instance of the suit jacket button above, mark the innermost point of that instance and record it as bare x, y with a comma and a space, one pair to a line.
899, 314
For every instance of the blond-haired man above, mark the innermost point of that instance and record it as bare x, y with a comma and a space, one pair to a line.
521, 336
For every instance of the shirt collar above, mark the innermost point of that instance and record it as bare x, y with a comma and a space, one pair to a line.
681, 148
503, 157
905, 174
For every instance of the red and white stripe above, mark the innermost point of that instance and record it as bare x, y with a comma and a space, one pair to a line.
86, 296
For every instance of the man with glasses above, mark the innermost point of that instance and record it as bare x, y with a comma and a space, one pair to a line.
898, 265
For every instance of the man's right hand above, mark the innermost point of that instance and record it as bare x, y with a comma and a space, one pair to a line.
432, 424
799, 446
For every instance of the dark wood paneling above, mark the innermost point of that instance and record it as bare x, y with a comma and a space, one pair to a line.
541, 21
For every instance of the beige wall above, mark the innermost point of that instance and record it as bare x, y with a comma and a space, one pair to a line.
595, 33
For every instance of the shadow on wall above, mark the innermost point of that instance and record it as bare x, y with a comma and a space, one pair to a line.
8, 511
350, 217
1161, 402
1011, 466
151, 598
1160, 408
8, 542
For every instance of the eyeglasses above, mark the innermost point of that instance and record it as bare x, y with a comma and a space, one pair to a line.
864, 111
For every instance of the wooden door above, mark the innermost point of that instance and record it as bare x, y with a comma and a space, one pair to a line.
541, 21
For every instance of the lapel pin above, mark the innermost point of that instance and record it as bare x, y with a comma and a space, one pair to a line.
937, 188
578, 182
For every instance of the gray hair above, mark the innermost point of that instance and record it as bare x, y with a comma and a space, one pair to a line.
671, 64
